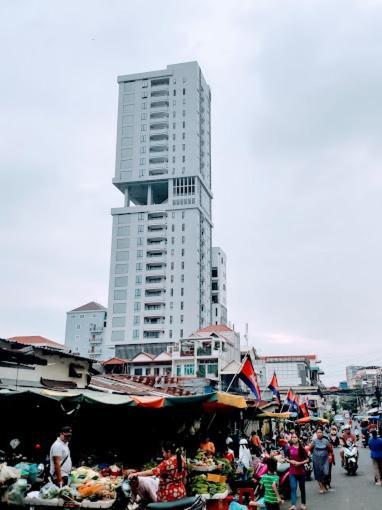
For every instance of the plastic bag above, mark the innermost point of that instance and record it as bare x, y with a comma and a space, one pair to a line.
17, 492
8, 473
49, 491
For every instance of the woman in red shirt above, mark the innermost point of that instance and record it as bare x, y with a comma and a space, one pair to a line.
298, 457
172, 472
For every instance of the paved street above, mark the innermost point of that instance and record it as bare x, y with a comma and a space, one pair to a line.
351, 493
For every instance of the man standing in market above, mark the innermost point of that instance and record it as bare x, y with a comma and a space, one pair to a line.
60, 460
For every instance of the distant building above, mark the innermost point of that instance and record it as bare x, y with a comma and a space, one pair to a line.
351, 370
219, 286
367, 377
85, 330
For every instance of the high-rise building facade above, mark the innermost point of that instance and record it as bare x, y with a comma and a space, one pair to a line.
219, 286
160, 272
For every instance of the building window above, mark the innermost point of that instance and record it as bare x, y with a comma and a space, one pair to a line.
122, 231
142, 161
139, 241
136, 320
143, 116
144, 105
122, 256
138, 279
171, 292
184, 124
179, 370
172, 278
137, 307
181, 333
183, 256
144, 94
145, 83
144, 127
141, 216
143, 137
171, 305
137, 292
184, 92
170, 333
122, 243
183, 215
170, 319
118, 322
183, 239
183, 227
141, 229
182, 278
138, 266
174, 92
189, 369
135, 336
183, 146
172, 266
183, 159
181, 305
119, 308
120, 281
120, 294
78, 326
182, 291
139, 254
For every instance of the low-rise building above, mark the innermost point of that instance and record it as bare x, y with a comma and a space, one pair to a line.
85, 330
206, 353
30, 365
367, 378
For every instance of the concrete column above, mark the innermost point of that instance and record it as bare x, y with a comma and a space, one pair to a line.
149, 195
127, 198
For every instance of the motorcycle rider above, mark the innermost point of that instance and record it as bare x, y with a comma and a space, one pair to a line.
346, 436
333, 437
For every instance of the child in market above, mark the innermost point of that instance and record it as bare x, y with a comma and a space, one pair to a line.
270, 482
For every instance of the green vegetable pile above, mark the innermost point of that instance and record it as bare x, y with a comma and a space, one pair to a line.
226, 466
200, 485
150, 465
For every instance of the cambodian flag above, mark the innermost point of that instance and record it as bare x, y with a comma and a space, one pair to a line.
292, 400
274, 387
248, 375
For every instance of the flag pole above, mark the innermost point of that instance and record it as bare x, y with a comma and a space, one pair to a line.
238, 371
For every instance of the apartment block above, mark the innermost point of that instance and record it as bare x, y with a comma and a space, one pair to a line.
160, 271
219, 286
85, 330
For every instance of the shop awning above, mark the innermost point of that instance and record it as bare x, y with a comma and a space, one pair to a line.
314, 419
280, 416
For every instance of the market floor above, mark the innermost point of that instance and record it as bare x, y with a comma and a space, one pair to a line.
349, 493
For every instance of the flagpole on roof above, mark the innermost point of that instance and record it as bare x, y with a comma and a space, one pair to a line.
238, 371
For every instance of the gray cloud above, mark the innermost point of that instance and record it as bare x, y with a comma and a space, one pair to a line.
296, 155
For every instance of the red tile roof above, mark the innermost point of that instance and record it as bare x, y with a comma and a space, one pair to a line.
115, 361
37, 341
217, 328
89, 307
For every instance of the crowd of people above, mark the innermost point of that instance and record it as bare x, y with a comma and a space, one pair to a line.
296, 448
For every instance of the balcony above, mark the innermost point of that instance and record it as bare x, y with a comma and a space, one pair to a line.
153, 321
204, 351
154, 310
95, 340
159, 126
158, 160
96, 329
156, 254
153, 334
155, 279
158, 148
159, 104
159, 82
158, 171
160, 93
159, 137
159, 115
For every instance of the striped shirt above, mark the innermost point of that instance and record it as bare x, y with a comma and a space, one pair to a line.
267, 481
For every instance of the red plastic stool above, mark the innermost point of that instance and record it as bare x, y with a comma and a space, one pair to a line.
244, 493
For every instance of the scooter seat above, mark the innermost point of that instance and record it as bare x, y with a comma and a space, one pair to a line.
178, 504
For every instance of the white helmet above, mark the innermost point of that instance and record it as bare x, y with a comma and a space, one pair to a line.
229, 440
243, 441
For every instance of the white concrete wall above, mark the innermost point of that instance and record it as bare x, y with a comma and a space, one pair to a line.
57, 369
84, 333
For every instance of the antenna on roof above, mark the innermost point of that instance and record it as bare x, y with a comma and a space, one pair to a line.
246, 333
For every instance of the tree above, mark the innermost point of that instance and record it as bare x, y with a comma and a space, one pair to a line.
349, 404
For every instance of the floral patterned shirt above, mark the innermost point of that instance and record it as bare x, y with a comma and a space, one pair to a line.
171, 483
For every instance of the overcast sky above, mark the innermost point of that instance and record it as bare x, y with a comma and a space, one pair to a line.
297, 181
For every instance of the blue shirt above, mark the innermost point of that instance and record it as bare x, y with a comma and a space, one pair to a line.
375, 446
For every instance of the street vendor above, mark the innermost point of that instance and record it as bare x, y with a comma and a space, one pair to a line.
171, 472
146, 488
208, 446
60, 460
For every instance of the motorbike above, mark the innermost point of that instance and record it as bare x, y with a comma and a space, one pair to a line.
350, 458
282, 471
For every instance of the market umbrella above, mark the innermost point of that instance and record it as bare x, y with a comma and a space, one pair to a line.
314, 419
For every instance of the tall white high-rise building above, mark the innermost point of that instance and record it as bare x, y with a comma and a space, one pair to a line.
219, 286
160, 273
